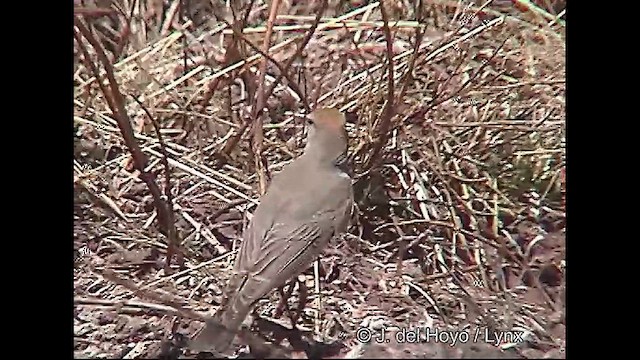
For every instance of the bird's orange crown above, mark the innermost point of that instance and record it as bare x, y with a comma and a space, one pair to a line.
328, 118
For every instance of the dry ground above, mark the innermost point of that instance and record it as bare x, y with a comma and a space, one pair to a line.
458, 164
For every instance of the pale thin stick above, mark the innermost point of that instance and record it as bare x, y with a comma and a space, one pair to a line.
353, 25
316, 282
181, 273
187, 271
117, 303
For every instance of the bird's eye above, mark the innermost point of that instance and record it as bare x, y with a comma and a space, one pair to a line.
309, 121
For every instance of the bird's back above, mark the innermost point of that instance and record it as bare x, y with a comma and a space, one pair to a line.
292, 208
297, 193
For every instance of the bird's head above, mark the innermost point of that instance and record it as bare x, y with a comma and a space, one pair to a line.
327, 140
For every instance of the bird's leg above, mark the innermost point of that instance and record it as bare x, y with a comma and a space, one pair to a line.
281, 304
302, 300
283, 300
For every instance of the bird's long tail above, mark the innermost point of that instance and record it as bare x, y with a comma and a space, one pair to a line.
220, 331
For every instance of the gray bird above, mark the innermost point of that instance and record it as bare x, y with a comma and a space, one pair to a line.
307, 204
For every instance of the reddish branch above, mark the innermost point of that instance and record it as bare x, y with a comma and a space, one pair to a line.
389, 107
116, 103
233, 141
256, 116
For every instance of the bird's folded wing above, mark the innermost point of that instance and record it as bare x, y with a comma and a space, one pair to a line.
285, 252
274, 252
